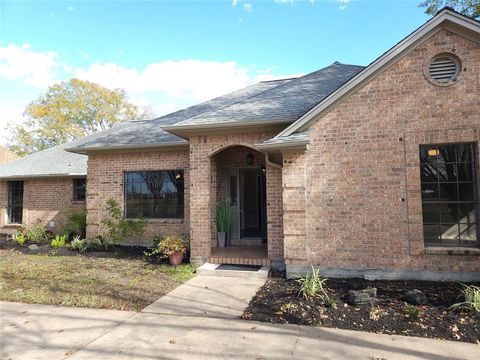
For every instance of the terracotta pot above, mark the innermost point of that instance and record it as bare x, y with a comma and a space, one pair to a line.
221, 239
175, 259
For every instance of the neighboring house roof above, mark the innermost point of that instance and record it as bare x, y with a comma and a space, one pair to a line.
51, 162
284, 103
6, 155
150, 133
446, 18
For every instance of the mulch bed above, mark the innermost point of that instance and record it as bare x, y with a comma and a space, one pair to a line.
278, 302
115, 251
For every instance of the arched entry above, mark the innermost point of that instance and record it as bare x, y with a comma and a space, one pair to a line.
240, 176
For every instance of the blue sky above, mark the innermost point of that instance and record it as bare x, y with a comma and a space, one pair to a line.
171, 54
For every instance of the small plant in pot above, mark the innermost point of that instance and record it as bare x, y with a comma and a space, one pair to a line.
224, 222
173, 247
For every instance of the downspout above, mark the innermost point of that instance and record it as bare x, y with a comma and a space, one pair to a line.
270, 163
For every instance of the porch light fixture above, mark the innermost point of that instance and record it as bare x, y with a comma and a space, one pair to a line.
249, 158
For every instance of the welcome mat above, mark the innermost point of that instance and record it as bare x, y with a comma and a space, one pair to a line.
238, 267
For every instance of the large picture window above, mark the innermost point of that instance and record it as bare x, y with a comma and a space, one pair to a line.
15, 202
449, 194
154, 194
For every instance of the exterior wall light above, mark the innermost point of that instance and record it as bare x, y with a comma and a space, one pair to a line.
249, 158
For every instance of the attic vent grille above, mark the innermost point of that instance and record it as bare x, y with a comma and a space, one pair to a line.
444, 69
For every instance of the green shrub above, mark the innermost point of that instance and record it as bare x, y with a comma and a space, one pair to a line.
19, 237
223, 217
36, 234
83, 245
58, 241
313, 286
471, 295
118, 227
411, 310
76, 223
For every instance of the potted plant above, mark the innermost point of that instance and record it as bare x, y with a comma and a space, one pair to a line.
223, 220
173, 247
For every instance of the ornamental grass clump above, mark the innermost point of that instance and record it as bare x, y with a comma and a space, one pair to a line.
223, 217
471, 294
313, 286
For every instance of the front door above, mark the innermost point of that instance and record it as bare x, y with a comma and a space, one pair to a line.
246, 191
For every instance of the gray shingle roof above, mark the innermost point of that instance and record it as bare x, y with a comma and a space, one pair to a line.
286, 102
283, 140
150, 132
54, 161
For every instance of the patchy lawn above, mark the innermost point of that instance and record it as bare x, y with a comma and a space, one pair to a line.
97, 280
278, 302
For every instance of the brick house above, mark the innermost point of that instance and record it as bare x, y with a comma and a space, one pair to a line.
361, 171
41, 189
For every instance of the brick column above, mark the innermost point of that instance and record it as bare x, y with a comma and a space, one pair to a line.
274, 213
200, 201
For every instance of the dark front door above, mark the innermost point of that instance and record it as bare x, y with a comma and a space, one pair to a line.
252, 204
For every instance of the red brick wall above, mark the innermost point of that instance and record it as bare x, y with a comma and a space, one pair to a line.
44, 200
363, 160
105, 180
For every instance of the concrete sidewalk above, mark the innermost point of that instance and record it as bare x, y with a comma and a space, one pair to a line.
31, 331
198, 320
152, 336
210, 296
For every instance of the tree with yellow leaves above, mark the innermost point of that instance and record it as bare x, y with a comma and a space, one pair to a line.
68, 111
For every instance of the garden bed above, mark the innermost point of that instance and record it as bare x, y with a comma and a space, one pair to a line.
278, 302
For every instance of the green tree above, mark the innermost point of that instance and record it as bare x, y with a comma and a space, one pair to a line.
469, 8
68, 111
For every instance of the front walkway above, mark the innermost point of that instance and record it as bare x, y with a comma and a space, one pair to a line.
201, 323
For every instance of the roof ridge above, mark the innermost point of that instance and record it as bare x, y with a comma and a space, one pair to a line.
204, 102
268, 90
282, 79
238, 101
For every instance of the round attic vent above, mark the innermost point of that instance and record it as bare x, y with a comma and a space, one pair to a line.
444, 68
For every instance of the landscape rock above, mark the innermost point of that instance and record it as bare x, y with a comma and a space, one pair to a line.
32, 247
415, 297
362, 297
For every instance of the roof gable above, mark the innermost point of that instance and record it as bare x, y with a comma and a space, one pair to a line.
446, 19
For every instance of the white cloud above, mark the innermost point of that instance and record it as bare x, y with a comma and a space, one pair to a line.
194, 79
247, 7
71, 8
83, 54
32, 68
343, 5
234, 3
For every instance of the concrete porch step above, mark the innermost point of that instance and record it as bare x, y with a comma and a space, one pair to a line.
238, 271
